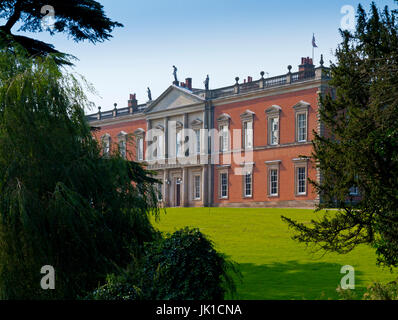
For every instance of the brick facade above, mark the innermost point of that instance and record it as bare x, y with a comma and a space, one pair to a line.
268, 127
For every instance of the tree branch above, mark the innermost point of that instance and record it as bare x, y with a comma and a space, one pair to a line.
14, 18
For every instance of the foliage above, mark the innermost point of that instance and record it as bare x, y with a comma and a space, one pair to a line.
360, 144
119, 288
376, 291
79, 19
61, 203
185, 266
181, 266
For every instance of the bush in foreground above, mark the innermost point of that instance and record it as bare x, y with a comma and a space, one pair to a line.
181, 266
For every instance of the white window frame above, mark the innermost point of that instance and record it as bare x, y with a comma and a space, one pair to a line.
301, 110
301, 134
197, 188
273, 165
297, 179
221, 196
271, 172
248, 135
224, 137
198, 141
140, 148
106, 145
273, 133
245, 184
273, 113
179, 143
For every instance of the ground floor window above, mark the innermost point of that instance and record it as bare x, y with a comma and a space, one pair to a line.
223, 185
248, 187
159, 191
273, 182
197, 187
301, 175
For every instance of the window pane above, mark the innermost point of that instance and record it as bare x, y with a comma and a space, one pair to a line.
179, 143
248, 185
224, 138
197, 187
302, 127
224, 185
301, 180
197, 133
273, 182
248, 135
140, 149
274, 131
122, 147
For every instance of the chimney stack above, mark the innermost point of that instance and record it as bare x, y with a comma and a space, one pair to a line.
132, 103
306, 68
188, 83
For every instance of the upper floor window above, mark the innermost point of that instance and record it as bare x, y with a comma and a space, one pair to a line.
122, 137
123, 149
106, 145
302, 109
139, 135
140, 149
247, 124
224, 138
248, 134
273, 115
179, 143
223, 129
301, 127
197, 141
274, 131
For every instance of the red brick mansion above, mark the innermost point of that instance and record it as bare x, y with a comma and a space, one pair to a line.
242, 145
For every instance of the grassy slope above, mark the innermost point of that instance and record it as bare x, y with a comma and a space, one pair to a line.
273, 265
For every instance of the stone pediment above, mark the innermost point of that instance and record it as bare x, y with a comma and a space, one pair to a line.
173, 98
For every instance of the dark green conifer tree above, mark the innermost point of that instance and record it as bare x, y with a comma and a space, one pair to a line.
360, 147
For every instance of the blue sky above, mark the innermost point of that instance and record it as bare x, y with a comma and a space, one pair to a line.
221, 38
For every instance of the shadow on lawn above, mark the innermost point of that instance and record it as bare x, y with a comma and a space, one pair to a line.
292, 281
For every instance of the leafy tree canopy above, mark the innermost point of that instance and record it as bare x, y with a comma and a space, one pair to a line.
359, 146
61, 202
79, 19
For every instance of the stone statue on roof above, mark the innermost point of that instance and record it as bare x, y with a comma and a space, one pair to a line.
207, 83
149, 94
175, 74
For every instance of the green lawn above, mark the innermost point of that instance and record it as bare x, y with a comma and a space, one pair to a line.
273, 265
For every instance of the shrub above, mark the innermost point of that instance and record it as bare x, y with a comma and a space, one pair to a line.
376, 291
181, 266
185, 266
